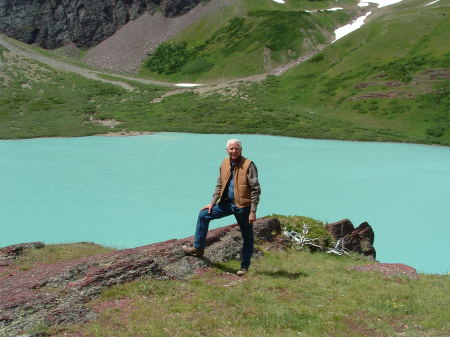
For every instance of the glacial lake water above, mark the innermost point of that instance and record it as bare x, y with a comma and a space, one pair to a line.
131, 191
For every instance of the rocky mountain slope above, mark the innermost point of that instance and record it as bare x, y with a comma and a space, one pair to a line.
52, 24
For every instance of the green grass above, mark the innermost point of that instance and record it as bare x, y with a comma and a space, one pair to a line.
248, 43
59, 253
297, 4
380, 52
37, 101
316, 229
290, 293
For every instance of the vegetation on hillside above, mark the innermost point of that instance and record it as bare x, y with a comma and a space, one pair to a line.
316, 229
38, 101
387, 81
246, 45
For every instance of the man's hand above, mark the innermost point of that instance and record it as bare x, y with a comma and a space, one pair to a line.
209, 207
252, 217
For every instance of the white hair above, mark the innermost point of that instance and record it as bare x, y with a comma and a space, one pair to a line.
234, 141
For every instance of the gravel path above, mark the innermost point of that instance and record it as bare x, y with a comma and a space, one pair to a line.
91, 74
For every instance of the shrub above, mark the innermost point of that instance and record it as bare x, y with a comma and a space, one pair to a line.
316, 228
404, 69
169, 57
197, 66
435, 131
280, 29
317, 58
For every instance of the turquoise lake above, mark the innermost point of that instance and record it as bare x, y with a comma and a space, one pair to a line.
130, 191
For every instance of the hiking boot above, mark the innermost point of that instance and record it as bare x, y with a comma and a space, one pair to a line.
192, 251
242, 272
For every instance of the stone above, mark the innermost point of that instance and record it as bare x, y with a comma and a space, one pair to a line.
359, 240
267, 228
366, 239
14, 251
340, 228
388, 269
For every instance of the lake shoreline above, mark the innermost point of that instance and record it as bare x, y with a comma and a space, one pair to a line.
146, 133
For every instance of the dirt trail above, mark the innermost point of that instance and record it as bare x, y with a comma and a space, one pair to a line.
94, 74
87, 73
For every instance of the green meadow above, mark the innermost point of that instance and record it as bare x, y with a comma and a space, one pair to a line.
245, 40
286, 293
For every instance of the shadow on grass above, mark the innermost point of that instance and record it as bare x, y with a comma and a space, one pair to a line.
224, 268
276, 274
283, 273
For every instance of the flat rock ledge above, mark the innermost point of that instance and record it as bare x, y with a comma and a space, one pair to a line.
57, 293
389, 270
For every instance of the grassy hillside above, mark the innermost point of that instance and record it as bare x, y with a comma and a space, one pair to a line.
38, 101
393, 73
388, 81
286, 293
249, 38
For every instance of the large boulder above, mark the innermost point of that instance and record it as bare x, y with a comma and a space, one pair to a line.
14, 251
359, 240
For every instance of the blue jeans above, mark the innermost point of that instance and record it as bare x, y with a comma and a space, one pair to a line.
221, 210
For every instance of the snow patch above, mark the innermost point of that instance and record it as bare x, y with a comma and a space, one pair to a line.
380, 3
347, 29
432, 2
188, 85
342, 31
324, 10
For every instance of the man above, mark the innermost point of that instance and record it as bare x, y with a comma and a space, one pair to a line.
237, 192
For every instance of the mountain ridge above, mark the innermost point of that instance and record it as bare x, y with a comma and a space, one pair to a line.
85, 23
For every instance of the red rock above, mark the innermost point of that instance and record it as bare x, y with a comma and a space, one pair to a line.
388, 269
359, 240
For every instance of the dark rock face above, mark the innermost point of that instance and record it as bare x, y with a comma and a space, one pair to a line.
172, 8
56, 293
359, 240
52, 24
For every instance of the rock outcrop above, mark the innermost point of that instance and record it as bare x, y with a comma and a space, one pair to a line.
14, 251
56, 293
359, 240
388, 270
85, 23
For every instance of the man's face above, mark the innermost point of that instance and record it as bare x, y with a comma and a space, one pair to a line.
234, 151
